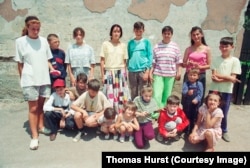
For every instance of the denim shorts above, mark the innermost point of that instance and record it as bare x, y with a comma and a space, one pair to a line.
32, 93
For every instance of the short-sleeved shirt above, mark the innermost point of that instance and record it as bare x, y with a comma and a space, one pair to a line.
34, 54
76, 92
165, 58
96, 104
80, 56
102, 120
114, 55
225, 66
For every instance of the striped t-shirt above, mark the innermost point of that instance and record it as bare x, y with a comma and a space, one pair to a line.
165, 58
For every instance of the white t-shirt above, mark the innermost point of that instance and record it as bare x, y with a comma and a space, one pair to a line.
225, 66
80, 56
34, 54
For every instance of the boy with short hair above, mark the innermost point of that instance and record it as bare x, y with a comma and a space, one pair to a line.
139, 60
224, 71
58, 107
89, 107
192, 93
80, 88
172, 120
58, 59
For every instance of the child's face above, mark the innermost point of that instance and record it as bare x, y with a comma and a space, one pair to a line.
81, 85
193, 77
196, 36
54, 43
92, 93
167, 35
225, 49
129, 112
172, 108
138, 33
213, 101
147, 96
116, 33
60, 91
79, 37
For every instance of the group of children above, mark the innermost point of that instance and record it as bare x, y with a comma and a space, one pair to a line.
137, 86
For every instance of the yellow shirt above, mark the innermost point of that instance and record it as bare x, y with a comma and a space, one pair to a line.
114, 55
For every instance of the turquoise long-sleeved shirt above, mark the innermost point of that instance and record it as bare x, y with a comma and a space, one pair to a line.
139, 55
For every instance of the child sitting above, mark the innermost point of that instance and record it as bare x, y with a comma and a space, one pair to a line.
57, 107
107, 122
146, 105
208, 125
126, 122
172, 120
89, 107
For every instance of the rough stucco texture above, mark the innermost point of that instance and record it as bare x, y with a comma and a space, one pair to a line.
98, 5
220, 18
153, 9
8, 13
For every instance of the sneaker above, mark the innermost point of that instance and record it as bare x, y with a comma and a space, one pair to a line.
159, 137
78, 136
115, 137
122, 139
45, 131
106, 136
131, 138
34, 144
225, 137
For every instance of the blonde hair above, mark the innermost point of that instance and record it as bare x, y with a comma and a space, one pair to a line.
146, 89
194, 71
30, 20
130, 105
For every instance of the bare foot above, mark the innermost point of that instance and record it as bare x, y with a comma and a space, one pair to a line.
209, 150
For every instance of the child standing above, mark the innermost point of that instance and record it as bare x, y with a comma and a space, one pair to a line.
80, 57
146, 105
166, 66
172, 120
139, 60
58, 60
107, 122
89, 107
208, 124
198, 55
224, 71
126, 122
32, 57
114, 56
192, 92
57, 108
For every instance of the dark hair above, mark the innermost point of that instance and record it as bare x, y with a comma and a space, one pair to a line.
227, 41
109, 113
167, 28
82, 77
94, 85
138, 25
173, 99
130, 105
112, 29
29, 20
78, 29
50, 36
213, 93
203, 41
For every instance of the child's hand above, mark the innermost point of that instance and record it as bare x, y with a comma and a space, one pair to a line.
234, 80
190, 92
194, 101
145, 76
